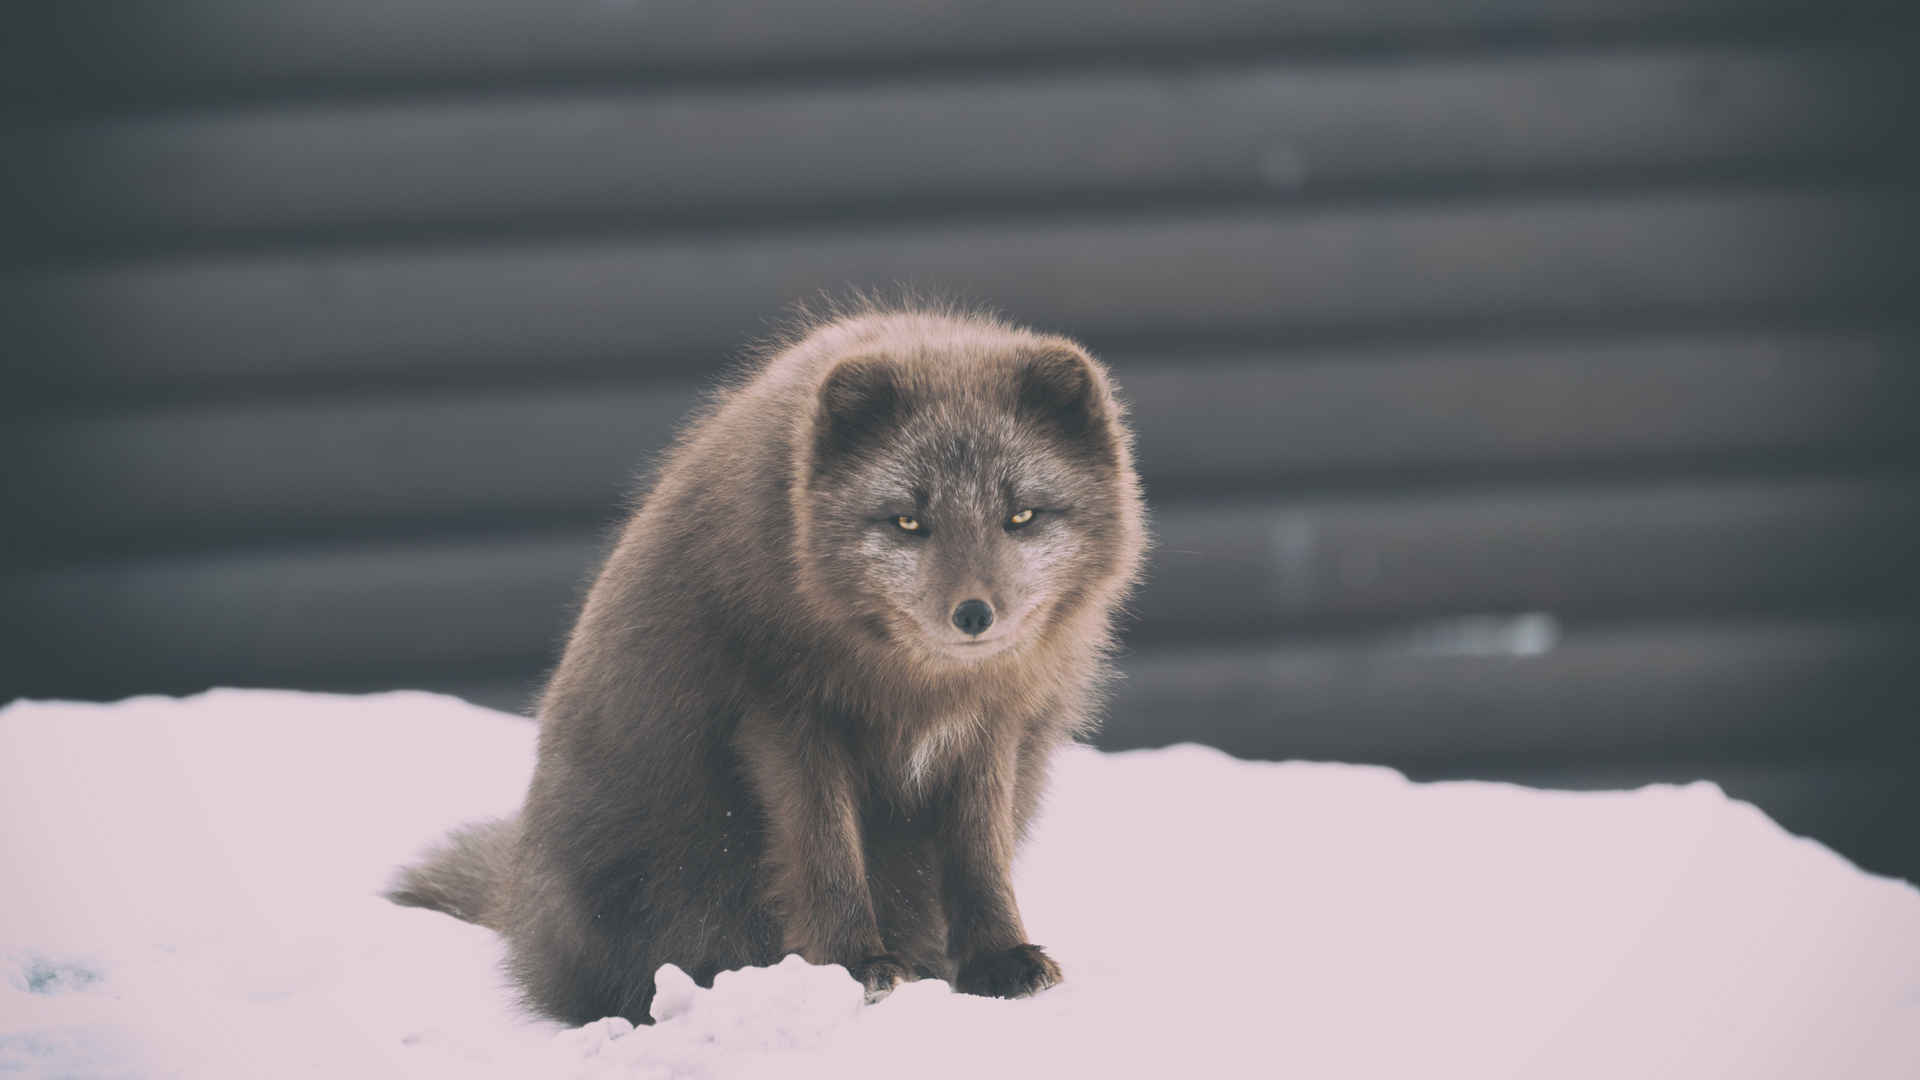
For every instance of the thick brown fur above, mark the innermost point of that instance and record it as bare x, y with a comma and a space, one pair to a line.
771, 732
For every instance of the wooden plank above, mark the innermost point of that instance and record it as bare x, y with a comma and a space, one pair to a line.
681, 306
1498, 407
288, 615
226, 472
925, 145
1678, 548
118, 480
1629, 692
1222, 572
100, 49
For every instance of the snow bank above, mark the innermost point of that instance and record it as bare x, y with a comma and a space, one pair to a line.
190, 890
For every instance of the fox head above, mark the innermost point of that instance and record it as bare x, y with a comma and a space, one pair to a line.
964, 493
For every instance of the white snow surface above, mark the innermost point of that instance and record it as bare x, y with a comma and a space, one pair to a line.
191, 890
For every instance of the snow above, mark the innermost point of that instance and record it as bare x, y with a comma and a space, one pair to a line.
191, 891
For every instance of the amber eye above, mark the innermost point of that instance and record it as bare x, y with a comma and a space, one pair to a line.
907, 523
1020, 519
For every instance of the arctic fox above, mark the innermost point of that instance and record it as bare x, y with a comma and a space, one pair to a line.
809, 702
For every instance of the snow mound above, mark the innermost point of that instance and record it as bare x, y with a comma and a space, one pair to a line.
751, 1020
192, 890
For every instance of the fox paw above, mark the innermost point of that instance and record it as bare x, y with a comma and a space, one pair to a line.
879, 974
1009, 973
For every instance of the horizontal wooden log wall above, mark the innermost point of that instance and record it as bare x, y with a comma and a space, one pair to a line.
1525, 388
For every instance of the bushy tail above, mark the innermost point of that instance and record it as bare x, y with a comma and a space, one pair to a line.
464, 874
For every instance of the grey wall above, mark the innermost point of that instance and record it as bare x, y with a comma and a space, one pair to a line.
1526, 388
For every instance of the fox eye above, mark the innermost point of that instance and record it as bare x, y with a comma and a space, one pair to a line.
907, 523
1020, 519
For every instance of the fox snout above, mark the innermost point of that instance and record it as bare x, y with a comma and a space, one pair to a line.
973, 617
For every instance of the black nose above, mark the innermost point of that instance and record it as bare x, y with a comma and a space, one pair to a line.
973, 616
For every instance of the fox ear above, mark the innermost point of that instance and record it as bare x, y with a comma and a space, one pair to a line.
1058, 385
860, 397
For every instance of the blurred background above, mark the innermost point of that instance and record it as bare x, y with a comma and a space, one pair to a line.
1526, 389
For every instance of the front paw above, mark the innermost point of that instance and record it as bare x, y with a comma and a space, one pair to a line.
1009, 973
879, 974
